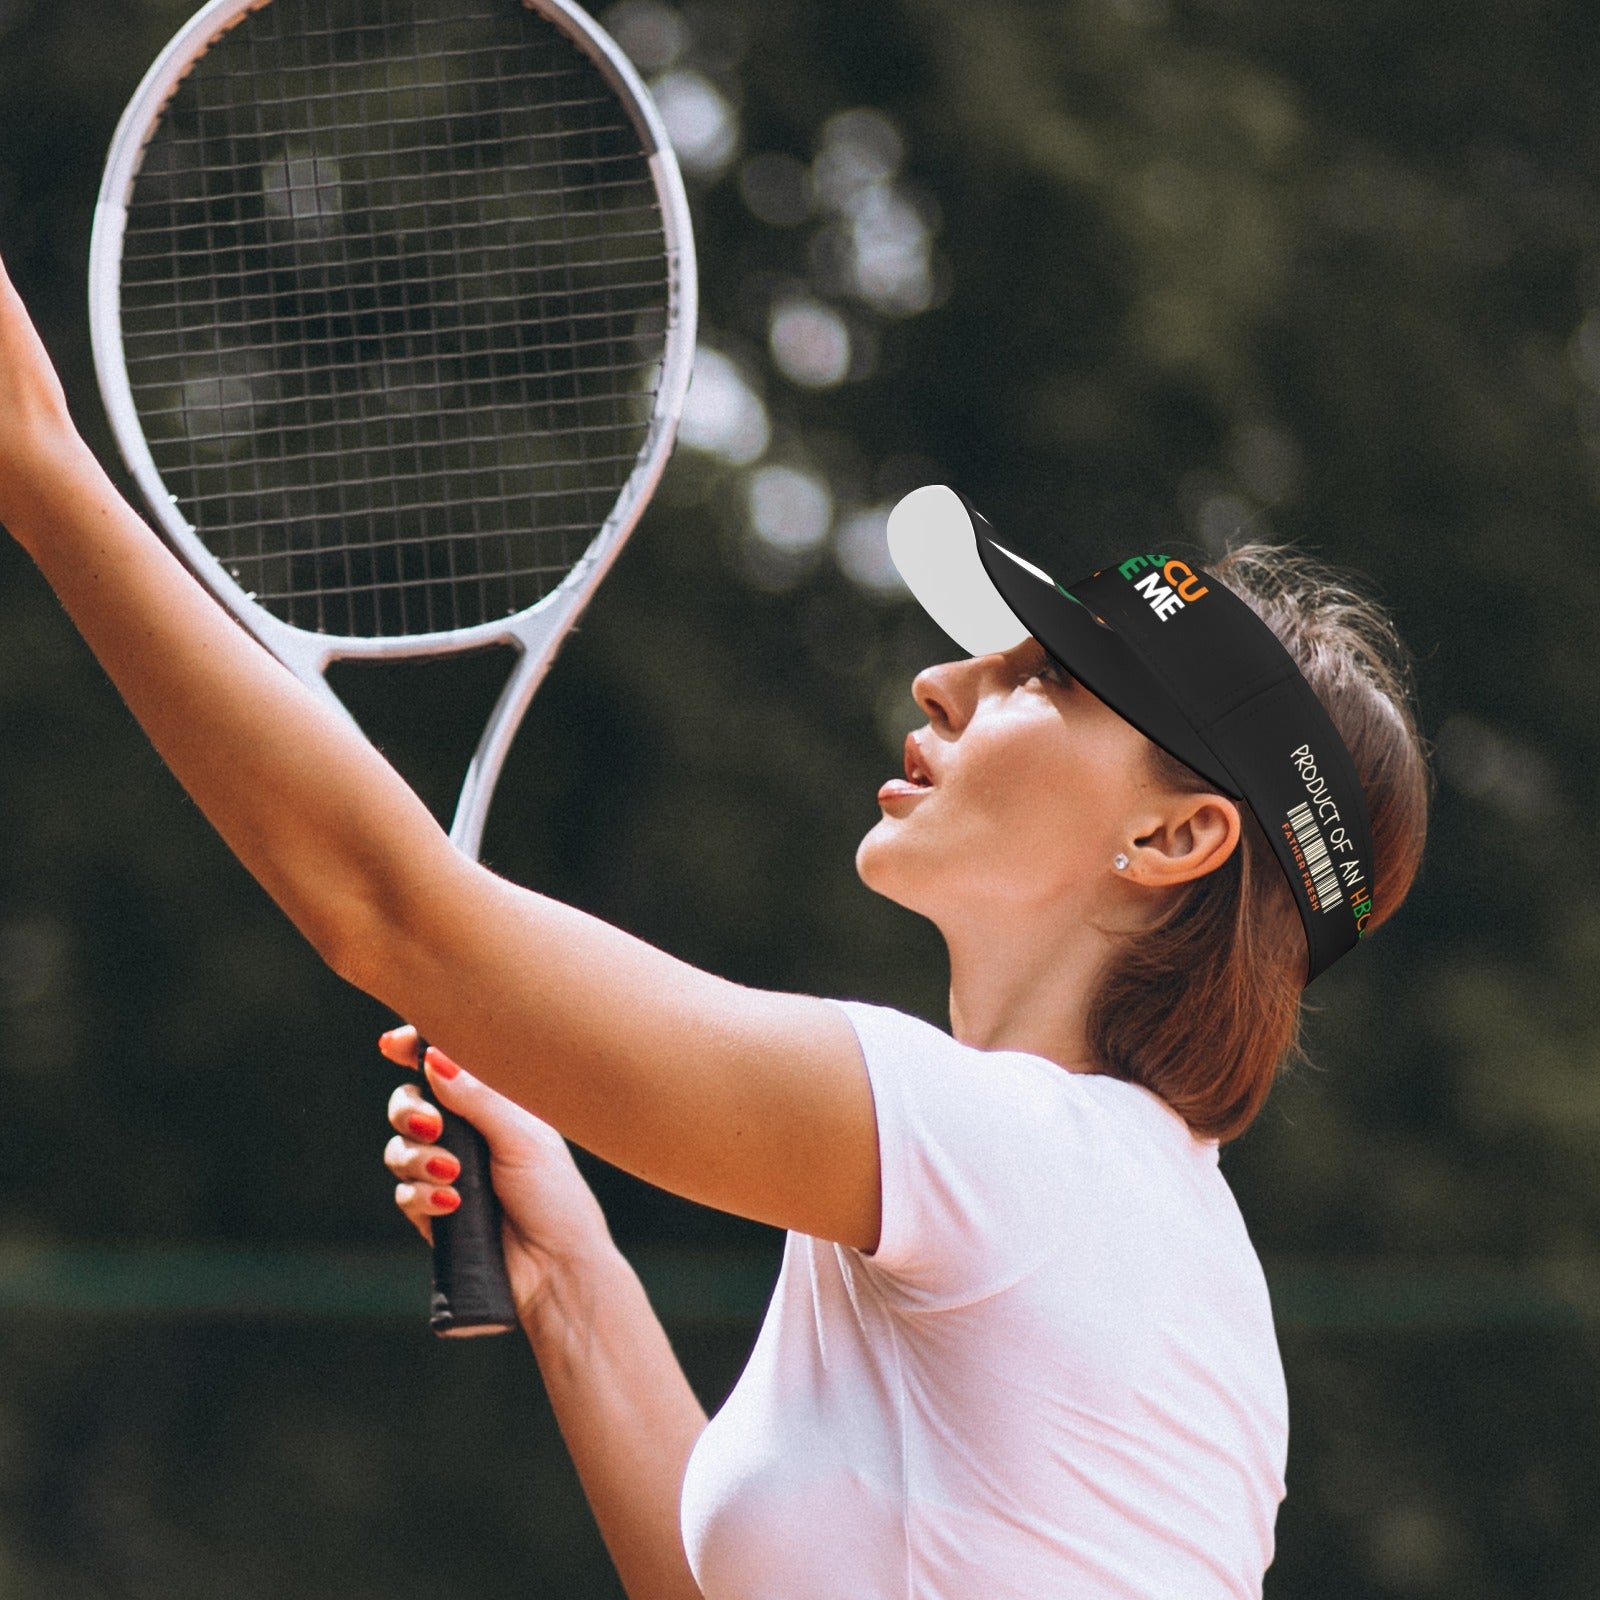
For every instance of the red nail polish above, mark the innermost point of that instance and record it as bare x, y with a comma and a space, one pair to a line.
442, 1064
443, 1168
447, 1199
425, 1127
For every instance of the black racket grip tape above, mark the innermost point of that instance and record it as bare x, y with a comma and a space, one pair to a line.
471, 1292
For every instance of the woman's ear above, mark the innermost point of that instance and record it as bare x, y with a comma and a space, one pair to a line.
1195, 835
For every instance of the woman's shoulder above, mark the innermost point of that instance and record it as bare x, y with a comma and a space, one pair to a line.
924, 1061
899, 1042
993, 1162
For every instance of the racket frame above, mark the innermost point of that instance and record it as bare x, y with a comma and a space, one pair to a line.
535, 633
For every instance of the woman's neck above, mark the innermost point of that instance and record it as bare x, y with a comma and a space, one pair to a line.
1021, 987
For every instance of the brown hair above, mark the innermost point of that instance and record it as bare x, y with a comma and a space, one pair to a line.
1204, 1007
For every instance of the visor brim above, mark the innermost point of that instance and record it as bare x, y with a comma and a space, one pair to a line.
1094, 653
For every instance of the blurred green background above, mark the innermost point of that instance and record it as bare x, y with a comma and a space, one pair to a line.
1130, 272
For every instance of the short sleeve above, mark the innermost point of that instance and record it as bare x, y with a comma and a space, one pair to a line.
980, 1152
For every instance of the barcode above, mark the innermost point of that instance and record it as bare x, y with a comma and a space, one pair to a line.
1323, 877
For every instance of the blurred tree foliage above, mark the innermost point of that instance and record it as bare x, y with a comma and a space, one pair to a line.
1130, 272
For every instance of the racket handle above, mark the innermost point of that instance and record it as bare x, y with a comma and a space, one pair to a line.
471, 1292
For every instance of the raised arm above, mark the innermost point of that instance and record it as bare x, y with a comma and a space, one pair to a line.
751, 1102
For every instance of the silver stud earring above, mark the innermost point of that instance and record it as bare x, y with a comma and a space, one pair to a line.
1121, 861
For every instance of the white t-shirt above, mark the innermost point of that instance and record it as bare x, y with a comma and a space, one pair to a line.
1055, 1379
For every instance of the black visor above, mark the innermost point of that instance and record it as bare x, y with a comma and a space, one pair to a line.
1175, 652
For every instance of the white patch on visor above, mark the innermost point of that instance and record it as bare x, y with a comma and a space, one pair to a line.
933, 544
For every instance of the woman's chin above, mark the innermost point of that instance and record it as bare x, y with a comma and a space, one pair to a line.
882, 863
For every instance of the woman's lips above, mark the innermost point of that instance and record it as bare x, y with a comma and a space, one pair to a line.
918, 780
898, 789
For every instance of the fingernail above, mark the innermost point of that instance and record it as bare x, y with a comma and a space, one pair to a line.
443, 1167
446, 1199
397, 1048
425, 1127
442, 1064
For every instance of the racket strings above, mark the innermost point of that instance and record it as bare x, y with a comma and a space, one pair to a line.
394, 300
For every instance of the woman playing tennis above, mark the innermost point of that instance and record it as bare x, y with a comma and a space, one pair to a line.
1021, 1345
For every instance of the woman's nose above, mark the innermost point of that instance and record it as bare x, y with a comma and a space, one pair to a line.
948, 692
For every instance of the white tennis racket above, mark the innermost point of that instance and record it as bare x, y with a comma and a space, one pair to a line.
393, 307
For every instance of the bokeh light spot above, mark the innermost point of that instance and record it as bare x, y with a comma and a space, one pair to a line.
1585, 350
810, 343
790, 509
652, 35
1223, 520
861, 547
892, 267
702, 125
302, 189
722, 414
860, 148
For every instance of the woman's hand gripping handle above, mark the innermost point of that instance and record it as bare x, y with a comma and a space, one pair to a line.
544, 1224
